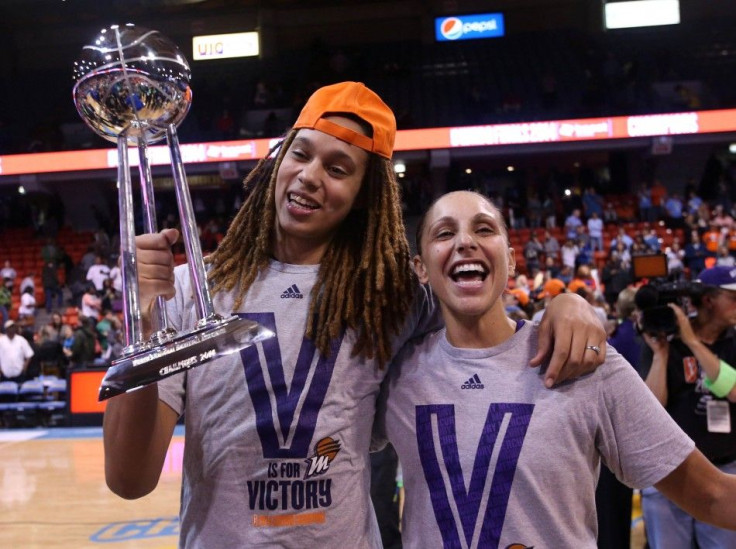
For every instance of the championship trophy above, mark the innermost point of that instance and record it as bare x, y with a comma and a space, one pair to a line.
132, 87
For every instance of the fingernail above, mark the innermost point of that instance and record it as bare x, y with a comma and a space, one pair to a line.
549, 382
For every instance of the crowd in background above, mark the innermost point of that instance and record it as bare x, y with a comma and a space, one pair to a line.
588, 251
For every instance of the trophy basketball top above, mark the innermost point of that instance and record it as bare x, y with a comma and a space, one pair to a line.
132, 82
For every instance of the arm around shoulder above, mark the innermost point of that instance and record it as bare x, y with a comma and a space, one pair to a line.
137, 430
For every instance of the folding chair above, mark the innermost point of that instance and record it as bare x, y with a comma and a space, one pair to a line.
8, 398
53, 409
30, 394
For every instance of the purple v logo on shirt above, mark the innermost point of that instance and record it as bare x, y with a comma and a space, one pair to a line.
458, 519
283, 436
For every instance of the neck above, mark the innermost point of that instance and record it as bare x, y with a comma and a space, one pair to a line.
473, 332
296, 251
707, 330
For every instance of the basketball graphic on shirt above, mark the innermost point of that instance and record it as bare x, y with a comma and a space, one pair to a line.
328, 446
325, 451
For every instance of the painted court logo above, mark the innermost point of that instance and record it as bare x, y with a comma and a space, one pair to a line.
292, 292
324, 452
473, 383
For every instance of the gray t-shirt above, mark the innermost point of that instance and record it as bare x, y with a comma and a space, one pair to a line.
277, 437
492, 458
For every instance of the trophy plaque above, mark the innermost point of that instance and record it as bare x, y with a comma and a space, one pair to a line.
133, 88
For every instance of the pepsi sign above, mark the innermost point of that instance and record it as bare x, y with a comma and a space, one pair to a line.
468, 27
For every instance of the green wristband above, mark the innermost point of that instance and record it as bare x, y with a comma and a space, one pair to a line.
725, 381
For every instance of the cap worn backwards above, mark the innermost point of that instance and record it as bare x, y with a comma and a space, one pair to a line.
356, 99
720, 276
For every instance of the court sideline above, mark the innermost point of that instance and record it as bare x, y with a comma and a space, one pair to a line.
53, 494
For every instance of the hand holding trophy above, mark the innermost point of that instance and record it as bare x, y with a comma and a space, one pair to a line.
132, 87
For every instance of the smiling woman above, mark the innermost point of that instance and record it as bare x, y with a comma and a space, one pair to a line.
471, 423
466, 259
318, 253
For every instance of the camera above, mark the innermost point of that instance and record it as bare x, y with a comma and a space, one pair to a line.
652, 299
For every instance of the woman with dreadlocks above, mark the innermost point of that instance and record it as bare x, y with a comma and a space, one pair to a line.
277, 436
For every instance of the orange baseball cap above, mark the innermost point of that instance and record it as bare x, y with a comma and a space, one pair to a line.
553, 287
521, 296
351, 98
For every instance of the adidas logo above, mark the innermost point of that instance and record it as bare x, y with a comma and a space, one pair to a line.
473, 383
292, 292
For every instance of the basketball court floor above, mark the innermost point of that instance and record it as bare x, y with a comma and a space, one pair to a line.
53, 494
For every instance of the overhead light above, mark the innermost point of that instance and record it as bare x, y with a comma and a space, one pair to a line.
510, 168
399, 166
468, 171
568, 192
21, 189
732, 148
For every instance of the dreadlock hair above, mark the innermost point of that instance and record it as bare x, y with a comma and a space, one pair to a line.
364, 281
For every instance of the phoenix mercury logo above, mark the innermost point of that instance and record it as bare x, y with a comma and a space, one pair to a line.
324, 452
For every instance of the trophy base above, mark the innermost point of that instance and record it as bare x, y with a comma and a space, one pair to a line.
213, 339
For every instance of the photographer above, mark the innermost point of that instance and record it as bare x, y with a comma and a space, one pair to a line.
690, 373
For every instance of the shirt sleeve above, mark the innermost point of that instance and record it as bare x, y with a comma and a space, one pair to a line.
638, 440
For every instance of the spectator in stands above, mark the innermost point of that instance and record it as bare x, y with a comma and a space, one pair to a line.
28, 281
27, 307
534, 210
724, 257
592, 203
111, 299
50, 252
551, 246
675, 260
8, 274
66, 338
595, 232
658, 194
551, 268
695, 254
84, 345
53, 328
6, 302
51, 288
91, 303
721, 218
615, 277
98, 273
549, 211
15, 353
651, 239
517, 303
645, 203
533, 251
610, 215
116, 276
521, 282
572, 222
694, 202
552, 288
673, 208
88, 259
622, 237
712, 239
49, 354
569, 253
